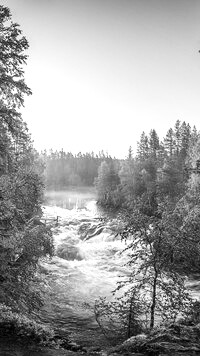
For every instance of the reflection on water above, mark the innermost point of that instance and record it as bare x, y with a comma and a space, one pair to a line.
86, 265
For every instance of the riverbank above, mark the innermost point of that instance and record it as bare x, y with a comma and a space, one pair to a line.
176, 339
8, 347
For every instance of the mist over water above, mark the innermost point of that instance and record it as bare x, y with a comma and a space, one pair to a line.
87, 263
70, 199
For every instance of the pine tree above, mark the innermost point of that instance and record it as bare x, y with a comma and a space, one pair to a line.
14, 135
143, 147
194, 135
177, 137
130, 153
169, 142
154, 144
185, 139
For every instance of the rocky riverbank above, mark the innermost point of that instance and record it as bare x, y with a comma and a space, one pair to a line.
176, 340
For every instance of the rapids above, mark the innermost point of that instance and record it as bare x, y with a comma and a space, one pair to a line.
87, 264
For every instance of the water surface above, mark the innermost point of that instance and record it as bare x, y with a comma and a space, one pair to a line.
86, 266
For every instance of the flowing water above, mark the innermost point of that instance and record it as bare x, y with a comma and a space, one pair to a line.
87, 264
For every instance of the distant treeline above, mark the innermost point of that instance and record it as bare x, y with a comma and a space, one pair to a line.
157, 162
64, 169
159, 171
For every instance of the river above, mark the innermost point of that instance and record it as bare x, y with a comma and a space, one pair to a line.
87, 264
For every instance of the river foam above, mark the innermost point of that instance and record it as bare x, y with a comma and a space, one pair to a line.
87, 263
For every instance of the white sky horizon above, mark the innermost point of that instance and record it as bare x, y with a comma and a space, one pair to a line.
103, 71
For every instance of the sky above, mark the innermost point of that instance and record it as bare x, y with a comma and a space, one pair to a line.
103, 71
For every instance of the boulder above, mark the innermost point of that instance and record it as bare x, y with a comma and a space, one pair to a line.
69, 252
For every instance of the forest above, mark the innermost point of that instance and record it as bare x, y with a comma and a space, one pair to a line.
160, 171
155, 194
155, 157
65, 169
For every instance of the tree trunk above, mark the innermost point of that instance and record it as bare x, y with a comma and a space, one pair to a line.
153, 305
130, 319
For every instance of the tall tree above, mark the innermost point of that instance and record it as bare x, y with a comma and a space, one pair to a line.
107, 184
14, 134
169, 142
23, 239
143, 147
154, 143
130, 153
194, 136
177, 136
132, 184
153, 243
185, 139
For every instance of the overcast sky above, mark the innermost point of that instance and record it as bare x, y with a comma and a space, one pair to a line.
103, 71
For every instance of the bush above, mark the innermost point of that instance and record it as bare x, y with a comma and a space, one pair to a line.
121, 318
21, 327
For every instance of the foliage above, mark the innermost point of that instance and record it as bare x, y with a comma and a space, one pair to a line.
163, 247
63, 169
106, 184
120, 318
14, 137
159, 171
160, 252
132, 184
153, 245
171, 339
19, 325
24, 240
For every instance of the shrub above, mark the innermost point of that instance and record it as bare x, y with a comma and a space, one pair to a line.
21, 327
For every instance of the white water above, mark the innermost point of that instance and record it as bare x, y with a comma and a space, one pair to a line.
87, 262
